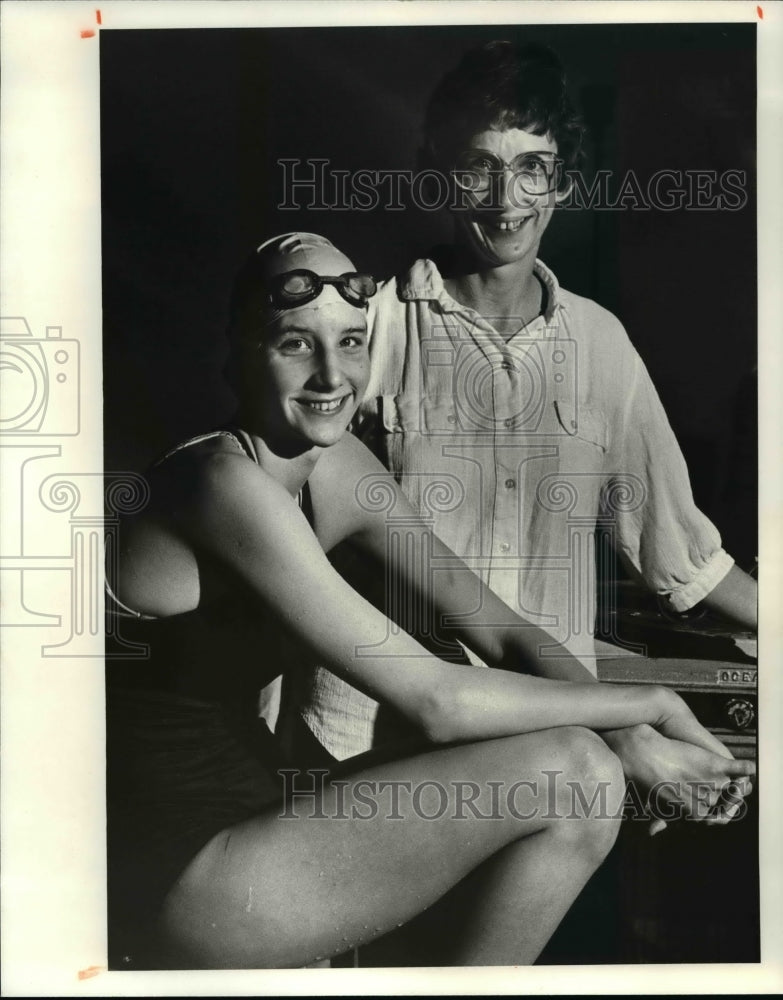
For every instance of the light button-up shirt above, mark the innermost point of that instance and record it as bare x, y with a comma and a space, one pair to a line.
516, 449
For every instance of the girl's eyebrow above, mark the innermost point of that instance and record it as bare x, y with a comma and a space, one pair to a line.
300, 331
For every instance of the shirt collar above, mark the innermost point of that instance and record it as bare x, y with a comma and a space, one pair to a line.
424, 281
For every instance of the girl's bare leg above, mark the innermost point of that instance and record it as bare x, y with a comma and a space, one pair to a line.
515, 899
275, 892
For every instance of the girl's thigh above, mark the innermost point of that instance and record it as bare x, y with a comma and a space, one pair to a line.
353, 857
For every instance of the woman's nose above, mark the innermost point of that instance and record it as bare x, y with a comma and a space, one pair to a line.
511, 191
328, 372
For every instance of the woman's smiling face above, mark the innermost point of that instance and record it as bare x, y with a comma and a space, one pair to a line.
505, 224
312, 368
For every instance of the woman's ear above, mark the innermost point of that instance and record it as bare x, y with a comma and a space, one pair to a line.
564, 193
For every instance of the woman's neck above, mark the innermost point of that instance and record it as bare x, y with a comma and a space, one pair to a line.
509, 296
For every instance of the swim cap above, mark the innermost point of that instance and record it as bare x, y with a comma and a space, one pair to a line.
289, 252
306, 250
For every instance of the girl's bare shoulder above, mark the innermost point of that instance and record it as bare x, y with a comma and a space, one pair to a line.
213, 472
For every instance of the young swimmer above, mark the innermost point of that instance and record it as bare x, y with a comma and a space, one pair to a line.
223, 575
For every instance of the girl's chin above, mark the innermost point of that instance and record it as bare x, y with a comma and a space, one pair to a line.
322, 438
291, 441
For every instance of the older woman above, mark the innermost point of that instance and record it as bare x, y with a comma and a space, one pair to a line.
209, 867
487, 371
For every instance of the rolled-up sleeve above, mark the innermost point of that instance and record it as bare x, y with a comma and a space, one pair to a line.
661, 533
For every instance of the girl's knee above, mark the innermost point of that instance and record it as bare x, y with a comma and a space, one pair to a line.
590, 789
584, 756
568, 754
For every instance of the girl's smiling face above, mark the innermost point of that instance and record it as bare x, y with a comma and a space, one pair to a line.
312, 369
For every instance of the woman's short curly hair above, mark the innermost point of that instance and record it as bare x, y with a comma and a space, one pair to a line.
503, 85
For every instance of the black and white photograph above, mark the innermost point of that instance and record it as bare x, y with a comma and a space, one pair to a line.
423, 501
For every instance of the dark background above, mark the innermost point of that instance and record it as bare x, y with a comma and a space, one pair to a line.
194, 121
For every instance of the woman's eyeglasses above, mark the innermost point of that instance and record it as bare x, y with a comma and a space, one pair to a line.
536, 173
296, 288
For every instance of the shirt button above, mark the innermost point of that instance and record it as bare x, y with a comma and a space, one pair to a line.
451, 418
509, 422
504, 547
510, 484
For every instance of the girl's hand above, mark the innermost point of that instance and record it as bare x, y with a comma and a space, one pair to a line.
677, 778
689, 767
701, 786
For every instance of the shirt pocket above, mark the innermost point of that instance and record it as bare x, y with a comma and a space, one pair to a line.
418, 453
382, 428
569, 480
583, 437
584, 422
396, 427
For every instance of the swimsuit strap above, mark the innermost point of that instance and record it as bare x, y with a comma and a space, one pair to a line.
303, 497
305, 500
122, 610
245, 442
239, 437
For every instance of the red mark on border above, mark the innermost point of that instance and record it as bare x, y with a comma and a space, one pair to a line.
88, 32
760, 13
91, 971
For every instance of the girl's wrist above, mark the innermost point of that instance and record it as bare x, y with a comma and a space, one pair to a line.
662, 704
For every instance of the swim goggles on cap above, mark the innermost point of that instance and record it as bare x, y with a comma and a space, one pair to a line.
296, 288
